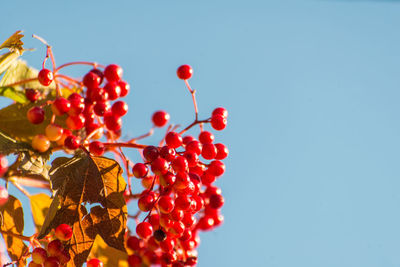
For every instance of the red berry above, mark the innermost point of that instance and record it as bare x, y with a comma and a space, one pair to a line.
167, 179
77, 104
112, 122
182, 180
144, 230
72, 142
222, 151
160, 118
65, 134
187, 139
177, 228
63, 232
39, 255
206, 137
54, 132
113, 73
119, 108
150, 153
98, 73
166, 204
35, 115
64, 257
55, 247
176, 214
167, 245
216, 168
94, 263
134, 260
75, 122
101, 108
60, 106
134, 243
216, 201
97, 148
220, 111
159, 166
154, 220
218, 122
184, 72
209, 151
167, 153
192, 158
173, 139
124, 88
32, 94
45, 77
194, 146
40, 143
207, 178
180, 164
183, 202
3, 165
140, 170
91, 80
97, 94
146, 202
113, 90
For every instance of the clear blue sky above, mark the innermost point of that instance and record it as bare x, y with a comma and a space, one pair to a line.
313, 92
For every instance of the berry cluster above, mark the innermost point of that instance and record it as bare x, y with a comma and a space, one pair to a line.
90, 110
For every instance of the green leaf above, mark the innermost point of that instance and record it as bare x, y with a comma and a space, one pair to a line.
12, 93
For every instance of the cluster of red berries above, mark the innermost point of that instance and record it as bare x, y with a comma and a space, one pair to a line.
91, 110
3, 170
179, 196
56, 253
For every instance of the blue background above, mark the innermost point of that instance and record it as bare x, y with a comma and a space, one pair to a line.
312, 89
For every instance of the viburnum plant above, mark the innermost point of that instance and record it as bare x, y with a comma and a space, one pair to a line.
85, 218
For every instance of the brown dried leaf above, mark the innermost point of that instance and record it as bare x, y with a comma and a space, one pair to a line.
80, 180
14, 42
40, 204
108, 255
12, 220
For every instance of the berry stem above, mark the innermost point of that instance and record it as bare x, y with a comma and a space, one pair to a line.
21, 82
67, 78
196, 110
150, 133
22, 237
194, 123
140, 146
94, 64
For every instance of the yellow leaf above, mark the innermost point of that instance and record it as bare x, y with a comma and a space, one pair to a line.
108, 255
40, 204
13, 221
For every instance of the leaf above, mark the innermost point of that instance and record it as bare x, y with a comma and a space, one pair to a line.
13, 42
8, 145
15, 124
7, 59
108, 255
13, 221
13, 94
40, 204
80, 180
18, 71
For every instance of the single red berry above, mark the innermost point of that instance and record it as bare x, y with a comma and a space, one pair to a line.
150, 153
97, 148
216, 168
91, 80
146, 202
113, 90
125, 88
52, 262
216, 201
60, 106
112, 122
176, 214
222, 151
184, 72
191, 261
209, 151
55, 247
165, 221
32, 94
194, 146
192, 158
75, 122
166, 204
45, 77
206, 137
77, 104
39, 255
119, 108
186, 235
35, 115
98, 73
140, 170
63, 232
218, 122
183, 202
160, 118
167, 153
134, 260
113, 73
220, 111
159, 166
64, 257
187, 139
173, 139
205, 223
54, 132
3, 165
167, 179
182, 180
101, 108
167, 245
180, 164
144, 230
94, 263
177, 228
98, 94
154, 220
134, 243
72, 142
207, 178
